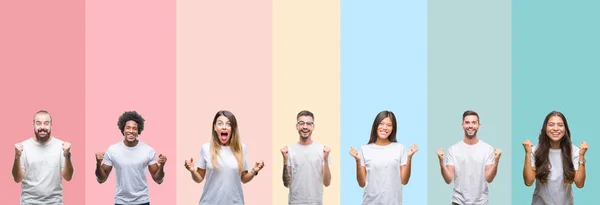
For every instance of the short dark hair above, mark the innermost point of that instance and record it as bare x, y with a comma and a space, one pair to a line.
42, 112
470, 112
305, 113
131, 115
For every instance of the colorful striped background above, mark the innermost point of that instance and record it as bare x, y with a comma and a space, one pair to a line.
179, 62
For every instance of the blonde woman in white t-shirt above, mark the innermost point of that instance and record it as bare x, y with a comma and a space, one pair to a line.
223, 162
555, 163
383, 165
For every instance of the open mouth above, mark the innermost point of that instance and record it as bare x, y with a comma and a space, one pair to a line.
224, 135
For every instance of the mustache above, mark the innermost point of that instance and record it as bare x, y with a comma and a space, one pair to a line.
42, 130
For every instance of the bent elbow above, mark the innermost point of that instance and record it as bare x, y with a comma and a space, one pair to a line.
579, 185
361, 185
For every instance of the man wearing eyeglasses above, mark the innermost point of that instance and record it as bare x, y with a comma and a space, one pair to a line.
306, 165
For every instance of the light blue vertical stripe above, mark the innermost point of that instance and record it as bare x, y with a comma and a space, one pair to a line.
383, 67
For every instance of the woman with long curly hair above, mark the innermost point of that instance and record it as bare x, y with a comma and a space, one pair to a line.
554, 163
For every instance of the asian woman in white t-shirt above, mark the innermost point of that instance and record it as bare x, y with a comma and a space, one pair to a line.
383, 165
554, 164
223, 162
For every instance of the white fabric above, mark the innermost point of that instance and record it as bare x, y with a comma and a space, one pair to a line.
130, 164
42, 165
554, 192
383, 184
306, 163
223, 185
469, 161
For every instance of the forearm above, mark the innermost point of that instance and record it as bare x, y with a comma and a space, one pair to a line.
285, 176
360, 174
406, 171
491, 174
159, 176
326, 174
100, 175
17, 173
580, 174
67, 171
247, 177
528, 173
196, 176
445, 173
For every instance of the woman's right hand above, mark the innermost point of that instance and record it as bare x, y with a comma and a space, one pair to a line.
189, 165
527, 145
354, 154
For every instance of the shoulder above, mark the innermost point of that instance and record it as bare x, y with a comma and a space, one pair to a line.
58, 141
116, 146
146, 147
457, 145
206, 146
28, 141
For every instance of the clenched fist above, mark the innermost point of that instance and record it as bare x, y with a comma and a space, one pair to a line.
497, 154
162, 159
354, 153
99, 157
440, 153
190, 165
284, 152
66, 147
413, 150
527, 145
583, 147
18, 150
326, 151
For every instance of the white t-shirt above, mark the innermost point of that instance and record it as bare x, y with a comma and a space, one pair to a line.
222, 185
306, 162
384, 184
469, 161
554, 192
42, 165
130, 164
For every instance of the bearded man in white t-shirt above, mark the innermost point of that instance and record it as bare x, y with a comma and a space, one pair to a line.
41, 162
306, 165
131, 157
471, 163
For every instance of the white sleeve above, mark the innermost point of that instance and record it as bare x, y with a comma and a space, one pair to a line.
362, 157
450, 157
24, 164
403, 156
201, 163
575, 157
490, 156
532, 156
107, 158
152, 159
246, 166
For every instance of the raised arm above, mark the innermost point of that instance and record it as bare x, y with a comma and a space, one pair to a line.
102, 170
406, 169
17, 172
157, 170
447, 170
67, 170
528, 168
580, 173
492, 169
361, 171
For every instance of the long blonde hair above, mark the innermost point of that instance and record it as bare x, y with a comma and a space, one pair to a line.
234, 141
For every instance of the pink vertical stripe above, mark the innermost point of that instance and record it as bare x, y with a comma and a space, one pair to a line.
130, 65
224, 62
41, 67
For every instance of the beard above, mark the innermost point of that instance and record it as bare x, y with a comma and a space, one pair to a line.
39, 137
303, 137
470, 136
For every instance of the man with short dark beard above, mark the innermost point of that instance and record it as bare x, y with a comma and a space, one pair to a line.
41, 162
471, 163
306, 165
